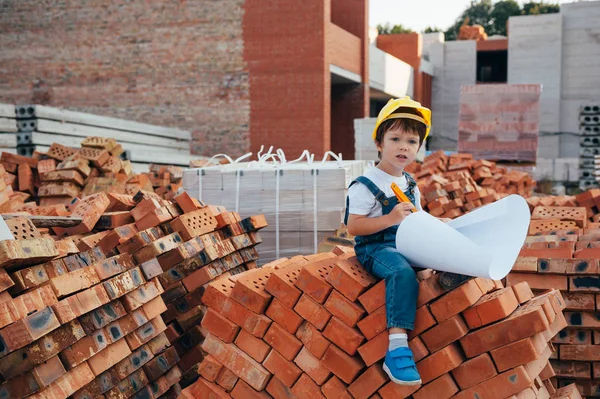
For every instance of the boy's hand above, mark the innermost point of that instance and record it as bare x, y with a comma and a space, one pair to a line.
399, 212
445, 220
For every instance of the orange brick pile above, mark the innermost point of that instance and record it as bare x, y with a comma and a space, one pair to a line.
563, 252
454, 185
80, 310
53, 179
315, 327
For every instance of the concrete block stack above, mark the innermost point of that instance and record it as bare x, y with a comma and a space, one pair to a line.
589, 128
562, 252
315, 327
454, 185
8, 128
81, 306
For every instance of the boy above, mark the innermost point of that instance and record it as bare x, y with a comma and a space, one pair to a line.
373, 214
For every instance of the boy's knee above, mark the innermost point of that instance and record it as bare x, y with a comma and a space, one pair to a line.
406, 273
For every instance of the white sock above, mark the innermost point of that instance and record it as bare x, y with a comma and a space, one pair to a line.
398, 341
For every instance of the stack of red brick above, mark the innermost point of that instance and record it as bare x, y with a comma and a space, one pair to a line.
562, 252
53, 179
315, 327
456, 184
81, 309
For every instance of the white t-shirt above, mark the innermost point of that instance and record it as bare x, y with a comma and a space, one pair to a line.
363, 202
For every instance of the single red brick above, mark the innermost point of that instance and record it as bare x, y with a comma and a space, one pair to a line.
579, 352
374, 298
306, 388
203, 389
423, 321
220, 326
418, 348
375, 349
278, 390
350, 278
283, 342
519, 352
570, 369
286, 371
245, 391
539, 281
491, 308
312, 312
346, 338
312, 366
394, 391
209, 368
474, 371
430, 289
445, 333
440, 363
312, 279
281, 282
284, 316
501, 386
456, 301
368, 382
525, 322
577, 301
522, 292
249, 289
344, 366
442, 388
374, 323
256, 348
348, 312
226, 379
312, 339
334, 388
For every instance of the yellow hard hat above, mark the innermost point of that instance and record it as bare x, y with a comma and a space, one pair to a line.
388, 113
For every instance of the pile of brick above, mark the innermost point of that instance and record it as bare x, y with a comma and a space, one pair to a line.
562, 252
81, 308
315, 327
54, 178
454, 185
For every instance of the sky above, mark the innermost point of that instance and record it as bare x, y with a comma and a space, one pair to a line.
418, 14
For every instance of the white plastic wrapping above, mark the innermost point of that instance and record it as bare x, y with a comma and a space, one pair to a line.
303, 200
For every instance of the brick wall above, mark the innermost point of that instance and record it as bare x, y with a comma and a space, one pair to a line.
289, 75
173, 63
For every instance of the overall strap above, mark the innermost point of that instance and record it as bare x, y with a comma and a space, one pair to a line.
377, 193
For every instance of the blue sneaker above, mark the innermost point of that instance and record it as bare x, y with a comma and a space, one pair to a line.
400, 367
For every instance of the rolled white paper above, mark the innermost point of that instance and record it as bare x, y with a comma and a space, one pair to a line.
483, 243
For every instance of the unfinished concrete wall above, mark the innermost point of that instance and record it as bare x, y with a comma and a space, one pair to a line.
455, 65
534, 56
170, 63
580, 60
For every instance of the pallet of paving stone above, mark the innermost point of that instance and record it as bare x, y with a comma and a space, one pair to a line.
302, 202
562, 252
40, 126
315, 327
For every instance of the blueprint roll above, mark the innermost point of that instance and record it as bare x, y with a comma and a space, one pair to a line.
483, 243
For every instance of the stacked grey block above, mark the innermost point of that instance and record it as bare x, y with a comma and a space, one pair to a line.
40, 126
8, 128
589, 127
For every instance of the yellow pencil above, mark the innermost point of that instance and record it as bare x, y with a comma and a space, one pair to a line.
400, 195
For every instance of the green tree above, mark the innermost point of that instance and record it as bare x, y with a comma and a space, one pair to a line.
499, 16
494, 16
535, 8
389, 29
431, 29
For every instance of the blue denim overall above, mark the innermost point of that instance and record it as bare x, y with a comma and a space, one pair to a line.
377, 253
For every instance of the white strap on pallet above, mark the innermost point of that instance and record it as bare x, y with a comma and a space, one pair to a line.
315, 173
277, 214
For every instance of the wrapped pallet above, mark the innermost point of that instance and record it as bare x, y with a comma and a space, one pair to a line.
303, 200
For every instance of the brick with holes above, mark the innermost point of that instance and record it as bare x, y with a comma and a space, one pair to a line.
349, 278
312, 279
281, 283
249, 289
